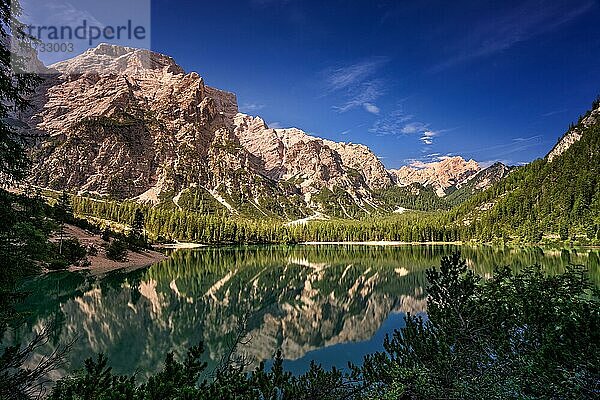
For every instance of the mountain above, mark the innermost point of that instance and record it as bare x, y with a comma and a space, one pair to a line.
135, 125
128, 123
575, 133
479, 182
557, 196
440, 176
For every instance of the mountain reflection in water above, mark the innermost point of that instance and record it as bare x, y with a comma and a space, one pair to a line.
328, 303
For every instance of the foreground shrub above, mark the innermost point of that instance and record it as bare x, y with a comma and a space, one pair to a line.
524, 335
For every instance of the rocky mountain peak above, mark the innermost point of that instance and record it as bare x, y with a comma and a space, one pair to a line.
361, 158
291, 153
130, 123
108, 58
440, 175
487, 177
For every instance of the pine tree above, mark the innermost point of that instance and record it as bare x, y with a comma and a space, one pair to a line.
136, 234
63, 212
563, 231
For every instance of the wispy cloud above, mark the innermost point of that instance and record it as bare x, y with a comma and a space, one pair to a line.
427, 136
251, 107
57, 13
555, 112
427, 159
351, 75
357, 83
501, 151
391, 124
506, 28
398, 123
275, 125
362, 95
536, 138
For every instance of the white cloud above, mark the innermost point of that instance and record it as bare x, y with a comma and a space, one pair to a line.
275, 125
535, 138
391, 124
350, 75
427, 136
372, 108
555, 112
398, 123
366, 93
413, 127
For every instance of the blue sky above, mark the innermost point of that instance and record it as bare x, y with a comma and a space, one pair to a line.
414, 80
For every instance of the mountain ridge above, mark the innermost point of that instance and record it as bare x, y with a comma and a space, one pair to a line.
556, 197
132, 124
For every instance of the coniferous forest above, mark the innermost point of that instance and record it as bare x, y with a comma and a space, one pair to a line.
556, 201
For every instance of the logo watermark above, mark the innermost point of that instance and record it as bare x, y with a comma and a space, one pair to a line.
46, 32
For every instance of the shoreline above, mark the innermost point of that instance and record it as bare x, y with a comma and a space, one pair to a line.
100, 264
135, 260
180, 245
382, 243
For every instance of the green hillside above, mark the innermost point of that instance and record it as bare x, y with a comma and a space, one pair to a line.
551, 199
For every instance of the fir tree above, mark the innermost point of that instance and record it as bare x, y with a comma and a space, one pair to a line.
63, 213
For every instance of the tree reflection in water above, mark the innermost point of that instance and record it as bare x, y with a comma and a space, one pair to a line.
321, 302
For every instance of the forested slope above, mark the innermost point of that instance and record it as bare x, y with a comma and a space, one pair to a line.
554, 196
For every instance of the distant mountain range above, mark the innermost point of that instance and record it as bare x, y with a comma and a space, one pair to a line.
131, 124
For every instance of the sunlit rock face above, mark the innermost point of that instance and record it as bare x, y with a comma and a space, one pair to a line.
440, 175
573, 135
132, 123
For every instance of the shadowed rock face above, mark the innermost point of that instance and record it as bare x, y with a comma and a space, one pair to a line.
487, 177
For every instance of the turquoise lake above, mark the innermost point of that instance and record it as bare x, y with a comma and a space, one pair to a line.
331, 304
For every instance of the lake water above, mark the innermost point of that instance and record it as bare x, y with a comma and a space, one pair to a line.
331, 304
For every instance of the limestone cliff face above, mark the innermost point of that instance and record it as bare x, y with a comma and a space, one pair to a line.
132, 124
291, 154
487, 177
361, 158
441, 175
574, 134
